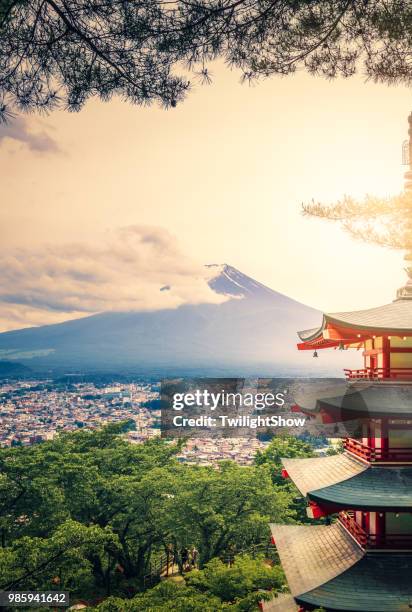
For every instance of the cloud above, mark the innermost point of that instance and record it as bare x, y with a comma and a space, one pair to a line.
127, 270
16, 316
19, 130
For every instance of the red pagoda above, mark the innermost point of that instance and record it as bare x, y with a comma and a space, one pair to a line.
360, 559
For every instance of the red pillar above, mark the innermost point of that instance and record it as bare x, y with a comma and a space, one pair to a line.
386, 357
385, 438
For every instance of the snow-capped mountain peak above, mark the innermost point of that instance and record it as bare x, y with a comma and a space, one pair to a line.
229, 281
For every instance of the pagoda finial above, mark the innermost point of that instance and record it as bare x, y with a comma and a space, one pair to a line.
405, 293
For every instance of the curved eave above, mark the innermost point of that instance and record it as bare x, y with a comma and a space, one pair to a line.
339, 414
314, 473
391, 319
376, 583
332, 336
375, 489
358, 400
317, 343
314, 555
342, 481
307, 335
326, 568
390, 400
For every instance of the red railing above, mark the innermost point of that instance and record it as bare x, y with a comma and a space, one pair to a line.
354, 529
377, 454
379, 374
367, 540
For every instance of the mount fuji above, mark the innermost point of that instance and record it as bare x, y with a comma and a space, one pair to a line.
252, 332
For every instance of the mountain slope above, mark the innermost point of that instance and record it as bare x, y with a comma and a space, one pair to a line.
11, 369
254, 329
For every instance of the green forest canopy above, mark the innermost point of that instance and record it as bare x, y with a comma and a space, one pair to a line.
90, 513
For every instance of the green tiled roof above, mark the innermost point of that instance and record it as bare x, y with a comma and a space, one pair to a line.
347, 483
374, 489
359, 398
373, 399
377, 583
319, 472
314, 555
326, 568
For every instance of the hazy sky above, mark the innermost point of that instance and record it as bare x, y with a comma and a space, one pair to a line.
218, 179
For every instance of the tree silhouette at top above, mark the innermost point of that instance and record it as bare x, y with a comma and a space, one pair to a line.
61, 52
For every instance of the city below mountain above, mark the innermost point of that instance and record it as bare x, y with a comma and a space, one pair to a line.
253, 332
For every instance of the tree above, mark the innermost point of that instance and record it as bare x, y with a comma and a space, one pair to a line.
61, 52
167, 596
282, 447
94, 479
95, 512
335, 449
383, 221
62, 559
225, 510
238, 582
238, 588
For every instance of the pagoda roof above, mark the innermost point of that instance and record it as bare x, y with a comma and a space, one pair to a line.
374, 399
314, 555
394, 318
360, 398
325, 567
345, 482
377, 583
311, 474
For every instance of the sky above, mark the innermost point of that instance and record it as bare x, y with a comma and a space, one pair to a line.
103, 208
